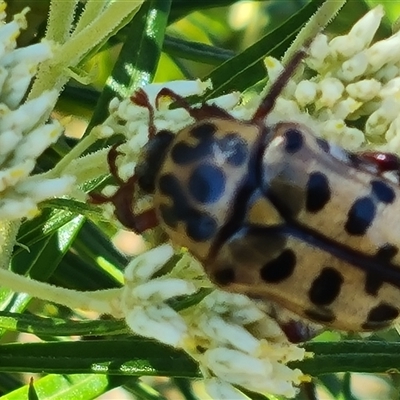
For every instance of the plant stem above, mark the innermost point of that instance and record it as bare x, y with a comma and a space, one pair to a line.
101, 301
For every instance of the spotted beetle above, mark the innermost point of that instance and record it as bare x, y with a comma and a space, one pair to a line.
274, 212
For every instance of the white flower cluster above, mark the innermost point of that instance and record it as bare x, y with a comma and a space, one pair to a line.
143, 301
234, 342
352, 79
243, 346
23, 135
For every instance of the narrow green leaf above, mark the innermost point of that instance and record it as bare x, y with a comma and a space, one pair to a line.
40, 262
133, 356
350, 356
32, 395
92, 244
78, 274
43, 257
181, 8
346, 389
247, 68
74, 206
138, 59
185, 387
143, 392
58, 327
195, 51
37, 229
9, 382
332, 383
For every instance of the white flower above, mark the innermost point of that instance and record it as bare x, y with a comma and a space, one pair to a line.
219, 389
24, 135
306, 92
352, 79
243, 346
360, 35
143, 301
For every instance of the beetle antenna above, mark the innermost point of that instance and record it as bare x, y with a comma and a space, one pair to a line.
268, 102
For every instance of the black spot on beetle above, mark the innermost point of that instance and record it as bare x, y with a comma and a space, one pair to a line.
373, 282
280, 268
323, 144
169, 185
234, 148
384, 256
320, 315
381, 316
150, 164
168, 215
318, 192
184, 154
360, 216
203, 130
207, 183
224, 276
383, 191
326, 287
386, 252
293, 140
231, 147
199, 226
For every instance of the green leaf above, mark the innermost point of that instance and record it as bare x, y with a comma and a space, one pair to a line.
40, 262
44, 256
247, 68
138, 59
58, 327
196, 51
74, 206
142, 391
180, 8
39, 228
133, 356
63, 387
352, 356
32, 395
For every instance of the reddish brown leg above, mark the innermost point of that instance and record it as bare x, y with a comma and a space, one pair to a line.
205, 111
140, 98
268, 103
123, 198
384, 162
112, 163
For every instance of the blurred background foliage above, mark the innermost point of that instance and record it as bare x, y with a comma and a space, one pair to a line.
200, 36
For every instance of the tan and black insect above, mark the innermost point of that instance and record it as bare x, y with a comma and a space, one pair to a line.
274, 212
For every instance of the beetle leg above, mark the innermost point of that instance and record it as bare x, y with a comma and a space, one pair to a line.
122, 199
112, 163
268, 102
384, 162
205, 111
140, 98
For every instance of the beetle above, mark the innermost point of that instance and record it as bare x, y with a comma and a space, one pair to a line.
273, 211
